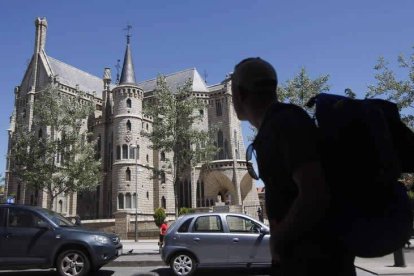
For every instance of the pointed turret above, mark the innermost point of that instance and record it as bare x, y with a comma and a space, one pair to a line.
128, 73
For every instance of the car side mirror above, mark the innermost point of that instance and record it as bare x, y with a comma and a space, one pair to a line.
264, 231
43, 225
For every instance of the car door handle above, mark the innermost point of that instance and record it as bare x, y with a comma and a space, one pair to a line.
236, 240
196, 239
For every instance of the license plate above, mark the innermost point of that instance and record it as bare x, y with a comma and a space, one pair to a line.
119, 252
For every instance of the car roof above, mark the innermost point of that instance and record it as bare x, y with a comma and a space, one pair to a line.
210, 214
28, 207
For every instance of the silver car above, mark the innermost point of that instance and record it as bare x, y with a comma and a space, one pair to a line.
215, 240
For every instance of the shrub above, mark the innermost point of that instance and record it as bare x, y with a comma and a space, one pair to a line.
185, 210
159, 216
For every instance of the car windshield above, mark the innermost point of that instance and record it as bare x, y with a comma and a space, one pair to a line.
57, 218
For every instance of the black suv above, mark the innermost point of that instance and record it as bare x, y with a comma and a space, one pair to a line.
34, 237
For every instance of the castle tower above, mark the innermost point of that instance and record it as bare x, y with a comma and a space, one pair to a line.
126, 127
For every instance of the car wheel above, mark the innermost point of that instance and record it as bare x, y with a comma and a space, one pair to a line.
73, 262
183, 264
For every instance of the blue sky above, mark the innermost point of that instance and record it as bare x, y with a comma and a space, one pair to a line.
340, 38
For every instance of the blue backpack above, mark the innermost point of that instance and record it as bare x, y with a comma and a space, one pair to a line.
364, 148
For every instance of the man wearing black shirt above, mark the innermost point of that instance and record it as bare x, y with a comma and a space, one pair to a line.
297, 197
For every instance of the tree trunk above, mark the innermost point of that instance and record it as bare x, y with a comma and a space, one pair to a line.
50, 201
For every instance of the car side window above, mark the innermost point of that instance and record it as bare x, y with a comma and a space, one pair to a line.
22, 219
242, 225
184, 227
208, 224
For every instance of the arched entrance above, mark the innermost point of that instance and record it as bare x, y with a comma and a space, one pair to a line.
215, 187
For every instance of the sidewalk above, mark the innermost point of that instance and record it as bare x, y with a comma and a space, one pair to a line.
141, 253
145, 253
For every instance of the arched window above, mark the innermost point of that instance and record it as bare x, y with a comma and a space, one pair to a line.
128, 174
40, 133
220, 144
134, 200
162, 176
128, 201
118, 152
120, 201
162, 156
128, 125
60, 206
147, 195
218, 108
163, 202
58, 152
137, 148
235, 138
131, 152
146, 126
124, 151
129, 103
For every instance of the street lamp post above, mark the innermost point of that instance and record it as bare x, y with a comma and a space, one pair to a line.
136, 190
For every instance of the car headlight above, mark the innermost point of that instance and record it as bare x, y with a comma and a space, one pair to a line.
101, 239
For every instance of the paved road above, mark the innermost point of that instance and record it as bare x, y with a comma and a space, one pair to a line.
148, 271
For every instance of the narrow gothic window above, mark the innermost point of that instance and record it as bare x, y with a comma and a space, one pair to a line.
162, 177
129, 103
124, 151
60, 206
128, 174
120, 201
147, 195
128, 201
163, 202
137, 152
134, 200
58, 152
220, 144
118, 152
218, 108
128, 125
147, 158
40, 133
131, 153
162, 156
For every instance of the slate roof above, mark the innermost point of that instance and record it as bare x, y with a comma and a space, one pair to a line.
177, 79
72, 76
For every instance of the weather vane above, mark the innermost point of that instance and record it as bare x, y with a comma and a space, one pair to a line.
128, 30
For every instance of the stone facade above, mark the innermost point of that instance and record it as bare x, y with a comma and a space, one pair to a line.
127, 187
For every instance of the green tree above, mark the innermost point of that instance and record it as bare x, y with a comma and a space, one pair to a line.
393, 88
298, 91
301, 88
175, 117
396, 88
349, 93
57, 155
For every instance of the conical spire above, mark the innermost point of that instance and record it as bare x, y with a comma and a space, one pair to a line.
128, 73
